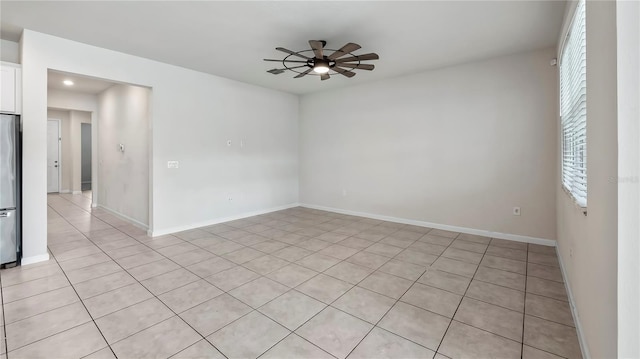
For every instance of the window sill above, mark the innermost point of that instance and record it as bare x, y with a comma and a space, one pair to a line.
576, 205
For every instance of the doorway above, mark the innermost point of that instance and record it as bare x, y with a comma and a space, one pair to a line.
53, 156
105, 147
85, 156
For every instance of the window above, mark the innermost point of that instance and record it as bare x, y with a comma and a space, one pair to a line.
573, 108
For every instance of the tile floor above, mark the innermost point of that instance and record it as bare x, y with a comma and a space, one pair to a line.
298, 283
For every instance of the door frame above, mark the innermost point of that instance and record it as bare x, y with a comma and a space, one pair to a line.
59, 152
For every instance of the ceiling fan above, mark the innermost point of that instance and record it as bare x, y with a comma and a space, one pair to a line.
318, 64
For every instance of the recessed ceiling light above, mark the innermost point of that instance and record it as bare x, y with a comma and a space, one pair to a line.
68, 82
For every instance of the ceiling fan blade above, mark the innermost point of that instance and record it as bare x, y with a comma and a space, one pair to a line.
367, 67
295, 67
344, 72
279, 71
304, 62
371, 56
292, 53
303, 74
324, 77
344, 50
317, 46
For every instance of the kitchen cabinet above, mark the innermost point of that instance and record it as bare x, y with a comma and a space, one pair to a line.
10, 88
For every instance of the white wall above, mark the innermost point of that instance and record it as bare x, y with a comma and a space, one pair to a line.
72, 100
124, 176
9, 51
628, 47
588, 244
458, 146
193, 115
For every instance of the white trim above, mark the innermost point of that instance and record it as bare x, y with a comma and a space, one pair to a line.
446, 227
122, 216
59, 154
66, 191
34, 259
77, 192
574, 311
163, 232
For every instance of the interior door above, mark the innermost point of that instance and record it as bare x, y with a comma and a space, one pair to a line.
85, 155
53, 156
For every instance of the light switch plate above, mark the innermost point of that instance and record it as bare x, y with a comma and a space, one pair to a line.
173, 164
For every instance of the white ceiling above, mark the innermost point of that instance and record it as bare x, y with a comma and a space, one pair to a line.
230, 38
82, 84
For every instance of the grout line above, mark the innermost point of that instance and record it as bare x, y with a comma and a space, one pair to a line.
46, 311
33, 295
356, 285
385, 314
463, 296
304, 223
200, 303
83, 305
4, 322
524, 310
204, 339
154, 296
326, 305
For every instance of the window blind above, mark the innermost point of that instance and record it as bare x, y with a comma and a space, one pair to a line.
573, 108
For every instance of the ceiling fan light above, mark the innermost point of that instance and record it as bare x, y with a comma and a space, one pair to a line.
321, 68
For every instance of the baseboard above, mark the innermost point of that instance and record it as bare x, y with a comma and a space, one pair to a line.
65, 191
77, 192
123, 217
162, 232
574, 310
446, 227
25, 261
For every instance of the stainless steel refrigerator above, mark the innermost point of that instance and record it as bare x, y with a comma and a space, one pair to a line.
10, 160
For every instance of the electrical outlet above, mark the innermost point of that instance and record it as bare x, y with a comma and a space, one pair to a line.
516, 211
173, 164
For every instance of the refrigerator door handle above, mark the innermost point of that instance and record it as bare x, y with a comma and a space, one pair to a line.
4, 214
